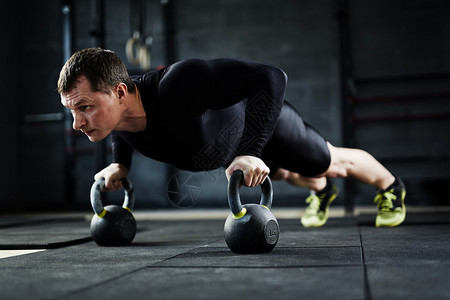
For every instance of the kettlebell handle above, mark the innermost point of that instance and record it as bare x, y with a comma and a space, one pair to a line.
234, 199
96, 200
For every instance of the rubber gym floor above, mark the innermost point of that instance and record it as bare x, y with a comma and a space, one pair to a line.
183, 255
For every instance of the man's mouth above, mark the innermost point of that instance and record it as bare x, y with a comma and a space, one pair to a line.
88, 132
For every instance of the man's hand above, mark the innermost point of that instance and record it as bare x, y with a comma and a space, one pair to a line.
113, 175
255, 170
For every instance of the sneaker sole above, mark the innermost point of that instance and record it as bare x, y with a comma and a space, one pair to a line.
400, 221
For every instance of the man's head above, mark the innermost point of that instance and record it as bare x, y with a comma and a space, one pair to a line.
94, 84
102, 68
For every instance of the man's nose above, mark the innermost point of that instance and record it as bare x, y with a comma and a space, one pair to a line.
78, 122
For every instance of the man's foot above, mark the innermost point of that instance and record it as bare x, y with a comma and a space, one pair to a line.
316, 214
391, 205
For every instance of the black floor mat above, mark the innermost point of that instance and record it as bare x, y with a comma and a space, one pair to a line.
43, 233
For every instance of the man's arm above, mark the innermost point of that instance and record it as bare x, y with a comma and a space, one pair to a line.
195, 85
119, 168
122, 151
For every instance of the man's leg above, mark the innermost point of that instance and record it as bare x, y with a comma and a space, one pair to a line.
358, 164
362, 166
323, 192
312, 183
300, 155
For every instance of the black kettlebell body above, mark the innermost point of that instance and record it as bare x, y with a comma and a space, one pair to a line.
112, 225
256, 232
250, 228
116, 228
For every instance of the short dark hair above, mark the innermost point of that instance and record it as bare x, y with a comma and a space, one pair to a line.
102, 68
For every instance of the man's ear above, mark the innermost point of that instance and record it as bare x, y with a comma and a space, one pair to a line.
121, 90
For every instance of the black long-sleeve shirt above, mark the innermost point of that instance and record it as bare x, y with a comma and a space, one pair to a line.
201, 114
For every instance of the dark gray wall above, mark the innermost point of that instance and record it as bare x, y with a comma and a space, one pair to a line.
31, 153
400, 56
9, 65
388, 40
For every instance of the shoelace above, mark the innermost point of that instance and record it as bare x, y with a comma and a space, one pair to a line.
385, 199
314, 202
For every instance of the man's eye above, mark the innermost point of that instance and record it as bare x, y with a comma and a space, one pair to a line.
84, 107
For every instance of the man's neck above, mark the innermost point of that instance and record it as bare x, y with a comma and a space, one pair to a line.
134, 116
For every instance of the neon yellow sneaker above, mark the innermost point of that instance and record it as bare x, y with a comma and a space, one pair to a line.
391, 205
316, 214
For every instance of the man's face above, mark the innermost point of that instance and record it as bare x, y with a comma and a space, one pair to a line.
96, 114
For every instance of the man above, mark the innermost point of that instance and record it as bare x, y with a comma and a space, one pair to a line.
200, 115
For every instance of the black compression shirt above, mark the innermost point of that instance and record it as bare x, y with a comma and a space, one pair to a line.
201, 114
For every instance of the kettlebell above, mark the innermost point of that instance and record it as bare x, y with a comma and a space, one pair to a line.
250, 228
112, 225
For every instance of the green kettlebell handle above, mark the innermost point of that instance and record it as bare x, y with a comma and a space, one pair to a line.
96, 199
234, 199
